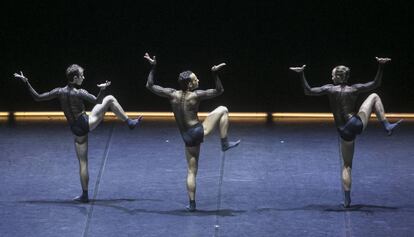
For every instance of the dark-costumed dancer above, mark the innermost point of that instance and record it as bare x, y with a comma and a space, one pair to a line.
185, 103
349, 123
71, 99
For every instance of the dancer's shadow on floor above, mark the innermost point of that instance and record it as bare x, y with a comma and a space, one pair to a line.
339, 208
62, 203
176, 212
363, 208
221, 213
84, 207
118, 204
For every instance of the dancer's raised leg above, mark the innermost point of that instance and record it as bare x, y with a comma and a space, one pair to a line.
98, 113
374, 103
219, 116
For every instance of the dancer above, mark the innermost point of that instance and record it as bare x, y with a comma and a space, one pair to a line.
342, 98
185, 104
71, 100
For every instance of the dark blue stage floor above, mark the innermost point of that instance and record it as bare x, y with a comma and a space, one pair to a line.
283, 180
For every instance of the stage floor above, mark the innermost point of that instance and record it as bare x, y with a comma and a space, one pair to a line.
283, 180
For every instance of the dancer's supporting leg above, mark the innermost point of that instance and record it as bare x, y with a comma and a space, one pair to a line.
98, 113
347, 154
221, 116
192, 154
81, 147
373, 102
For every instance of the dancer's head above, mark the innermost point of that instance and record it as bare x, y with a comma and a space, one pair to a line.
74, 74
188, 81
340, 75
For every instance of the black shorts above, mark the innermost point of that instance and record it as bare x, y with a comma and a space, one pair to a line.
194, 135
353, 127
81, 126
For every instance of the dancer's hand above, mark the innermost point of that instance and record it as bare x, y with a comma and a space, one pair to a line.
298, 69
103, 86
152, 61
382, 60
21, 77
215, 68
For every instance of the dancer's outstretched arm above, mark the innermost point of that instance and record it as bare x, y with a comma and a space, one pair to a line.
364, 87
323, 90
211, 93
36, 96
158, 90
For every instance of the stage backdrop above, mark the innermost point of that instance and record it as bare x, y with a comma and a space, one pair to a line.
258, 40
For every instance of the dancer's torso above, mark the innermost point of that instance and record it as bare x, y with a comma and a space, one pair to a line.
342, 99
71, 101
185, 108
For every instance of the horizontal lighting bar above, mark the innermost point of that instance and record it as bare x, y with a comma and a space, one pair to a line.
148, 114
302, 115
4, 116
37, 114
259, 115
201, 114
330, 115
399, 115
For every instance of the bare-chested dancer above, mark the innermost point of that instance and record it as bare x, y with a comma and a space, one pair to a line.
185, 104
71, 100
342, 98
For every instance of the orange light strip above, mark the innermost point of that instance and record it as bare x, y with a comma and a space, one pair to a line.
60, 115
330, 115
399, 115
200, 114
148, 114
302, 115
4, 116
38, 114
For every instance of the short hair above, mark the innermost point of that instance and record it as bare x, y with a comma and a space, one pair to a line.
183, 79
72, 71
342, 70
